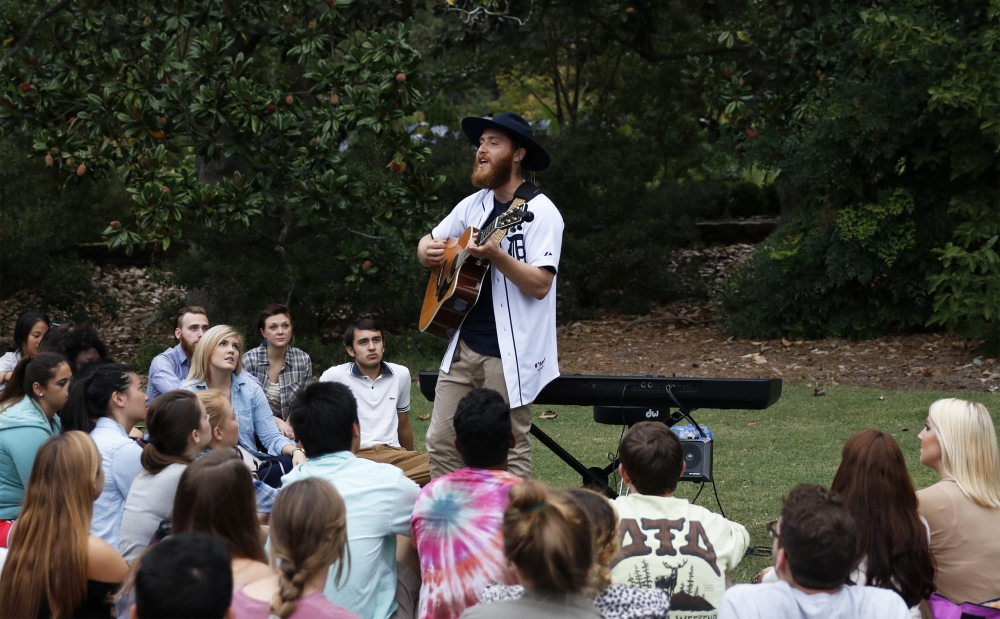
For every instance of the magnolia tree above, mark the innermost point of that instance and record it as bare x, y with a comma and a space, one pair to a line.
221, 114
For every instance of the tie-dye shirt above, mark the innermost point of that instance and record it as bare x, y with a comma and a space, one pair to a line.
458, 531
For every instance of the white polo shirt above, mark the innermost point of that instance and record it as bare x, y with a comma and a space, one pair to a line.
526, 326
379, 400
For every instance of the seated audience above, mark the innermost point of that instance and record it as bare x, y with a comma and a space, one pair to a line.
55, 568
547, 538
28, 333
893, 551
814, 552
382, 391
28, 416
171, 367
215, 496
612, 601
308, 535
185, 576
963, 509
666, 542
79, 344
458, 518
113, 395
217, 365
280, 368
378, 497
225, 437
178, 431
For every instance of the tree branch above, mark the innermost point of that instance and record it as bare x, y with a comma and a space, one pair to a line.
47, 13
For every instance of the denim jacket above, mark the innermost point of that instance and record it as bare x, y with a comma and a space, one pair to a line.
254, 414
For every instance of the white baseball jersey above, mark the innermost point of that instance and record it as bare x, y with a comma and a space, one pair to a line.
526, 326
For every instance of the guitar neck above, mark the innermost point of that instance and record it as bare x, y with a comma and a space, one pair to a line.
491, 232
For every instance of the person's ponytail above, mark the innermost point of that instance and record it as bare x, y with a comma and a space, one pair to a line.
40, 368
308, 533
90, 394
547, 536
170, 421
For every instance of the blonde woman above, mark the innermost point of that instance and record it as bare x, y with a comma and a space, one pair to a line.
54, 566
225, 438
216, 364
308, 536
963, 509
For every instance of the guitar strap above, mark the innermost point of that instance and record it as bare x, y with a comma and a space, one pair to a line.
523, 194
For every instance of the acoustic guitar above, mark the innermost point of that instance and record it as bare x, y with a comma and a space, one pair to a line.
454, 287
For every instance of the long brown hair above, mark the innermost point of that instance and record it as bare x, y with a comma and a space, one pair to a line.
48, 550
546, 535
308, 533
216, 496
875, 486
170, 421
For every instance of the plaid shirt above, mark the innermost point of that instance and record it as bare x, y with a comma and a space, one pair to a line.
296, 373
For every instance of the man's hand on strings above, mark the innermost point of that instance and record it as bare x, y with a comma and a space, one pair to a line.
490, 250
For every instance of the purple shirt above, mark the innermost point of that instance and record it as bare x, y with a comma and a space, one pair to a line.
311, 605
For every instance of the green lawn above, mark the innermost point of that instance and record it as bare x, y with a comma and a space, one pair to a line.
797, 440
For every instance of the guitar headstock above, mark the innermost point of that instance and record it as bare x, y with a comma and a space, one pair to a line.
514, 217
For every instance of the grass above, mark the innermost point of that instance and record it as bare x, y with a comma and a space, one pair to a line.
758, 455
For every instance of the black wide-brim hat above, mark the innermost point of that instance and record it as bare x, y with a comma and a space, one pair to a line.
518, 129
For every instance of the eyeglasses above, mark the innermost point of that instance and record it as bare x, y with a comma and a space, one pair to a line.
771, 531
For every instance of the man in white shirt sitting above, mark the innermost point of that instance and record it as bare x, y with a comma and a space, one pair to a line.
382, 391
814, 551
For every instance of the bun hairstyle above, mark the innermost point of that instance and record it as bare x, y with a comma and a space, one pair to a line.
47, 559
603, 521
170, 421
90, 393
308, 533
547, 537
40, 368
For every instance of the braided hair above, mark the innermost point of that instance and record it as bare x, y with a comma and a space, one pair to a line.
308, 534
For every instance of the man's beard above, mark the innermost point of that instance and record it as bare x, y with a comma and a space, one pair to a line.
184, 347
495, 175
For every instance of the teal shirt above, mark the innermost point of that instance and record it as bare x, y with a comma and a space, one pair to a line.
379, 501
23, 429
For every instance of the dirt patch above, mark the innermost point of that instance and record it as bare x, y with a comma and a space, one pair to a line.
925, 362
139, 300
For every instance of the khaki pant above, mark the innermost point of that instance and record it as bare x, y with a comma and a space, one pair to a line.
413, 463
473, 371
407, 592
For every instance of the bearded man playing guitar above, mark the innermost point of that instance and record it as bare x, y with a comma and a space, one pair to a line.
507, 341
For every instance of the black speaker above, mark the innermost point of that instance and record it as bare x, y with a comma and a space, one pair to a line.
698, 459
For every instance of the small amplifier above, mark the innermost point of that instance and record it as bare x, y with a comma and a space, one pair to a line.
697, 459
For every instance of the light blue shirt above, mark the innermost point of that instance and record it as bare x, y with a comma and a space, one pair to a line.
167, 371
254, 414
120, 457
379, 500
